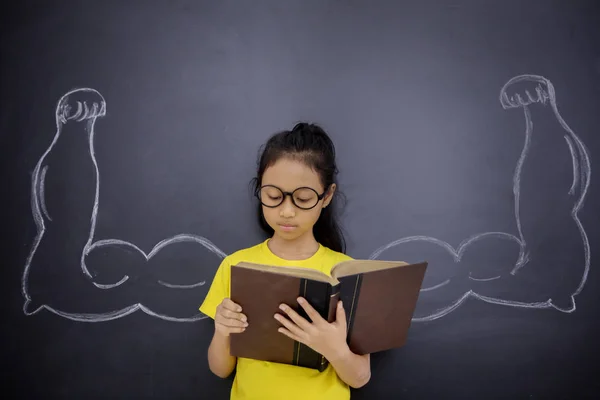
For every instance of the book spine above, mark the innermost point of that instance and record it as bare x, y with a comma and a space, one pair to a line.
349, 294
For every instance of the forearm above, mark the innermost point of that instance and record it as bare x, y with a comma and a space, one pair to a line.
220, 362
352, 368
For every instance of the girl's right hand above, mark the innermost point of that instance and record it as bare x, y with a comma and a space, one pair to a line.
229, 318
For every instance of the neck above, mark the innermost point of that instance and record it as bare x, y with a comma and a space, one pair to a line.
300, 248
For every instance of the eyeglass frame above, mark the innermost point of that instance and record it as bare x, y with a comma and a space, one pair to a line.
291, 194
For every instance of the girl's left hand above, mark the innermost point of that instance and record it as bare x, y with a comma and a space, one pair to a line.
328, 339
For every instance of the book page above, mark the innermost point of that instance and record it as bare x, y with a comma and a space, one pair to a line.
299, 272
351, 267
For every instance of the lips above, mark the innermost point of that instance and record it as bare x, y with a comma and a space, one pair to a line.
287, 227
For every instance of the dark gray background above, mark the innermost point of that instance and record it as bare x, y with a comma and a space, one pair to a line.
410, 94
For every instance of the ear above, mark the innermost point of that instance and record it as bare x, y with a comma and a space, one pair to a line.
329, 196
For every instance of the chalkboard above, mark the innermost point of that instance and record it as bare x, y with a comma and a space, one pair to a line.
466, 133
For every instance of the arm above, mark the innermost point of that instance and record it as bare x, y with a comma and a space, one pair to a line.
228, 320
219, 360
352, 368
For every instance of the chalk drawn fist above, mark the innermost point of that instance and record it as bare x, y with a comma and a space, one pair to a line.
525, 90
79, 105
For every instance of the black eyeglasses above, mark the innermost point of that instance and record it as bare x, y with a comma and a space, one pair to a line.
304, 198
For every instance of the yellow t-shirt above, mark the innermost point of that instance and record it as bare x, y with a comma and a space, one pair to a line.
263, 380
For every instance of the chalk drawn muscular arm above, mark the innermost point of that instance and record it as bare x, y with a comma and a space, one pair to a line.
551, 253
71, 274
61, 210
550, 183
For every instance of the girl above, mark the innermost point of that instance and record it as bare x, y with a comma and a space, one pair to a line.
295, 185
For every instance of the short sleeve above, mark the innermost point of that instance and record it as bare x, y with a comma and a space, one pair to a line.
219, 289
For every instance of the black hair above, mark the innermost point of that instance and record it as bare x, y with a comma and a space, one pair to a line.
310, 144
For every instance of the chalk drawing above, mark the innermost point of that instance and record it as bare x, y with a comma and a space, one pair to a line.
89, 111
545, 95
90, 106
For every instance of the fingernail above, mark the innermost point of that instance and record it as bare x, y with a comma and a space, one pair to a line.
300, 300
276, 316
282, 307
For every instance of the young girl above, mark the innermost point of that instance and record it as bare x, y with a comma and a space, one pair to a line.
295, 185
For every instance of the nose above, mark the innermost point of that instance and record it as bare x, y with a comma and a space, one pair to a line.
287, 209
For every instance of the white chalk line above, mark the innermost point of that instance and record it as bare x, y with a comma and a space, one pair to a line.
454, 305
484, 279
456, 253
166, 242
584, 172
111, 285
575, 165
585, 176
178, 286
42, 192
517, 182
113, 315
439, 285
62, 110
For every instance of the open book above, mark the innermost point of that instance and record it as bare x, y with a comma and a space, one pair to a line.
379, 299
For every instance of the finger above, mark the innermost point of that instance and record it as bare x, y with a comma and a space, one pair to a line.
289, 334
294, 316
232, 329
230, 309
310, 311
340, 314
233, 315
231, 305
232, 322
225, 315
291, 327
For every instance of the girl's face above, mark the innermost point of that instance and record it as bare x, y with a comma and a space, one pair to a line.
288, 221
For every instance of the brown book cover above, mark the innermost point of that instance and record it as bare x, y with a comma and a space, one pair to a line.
379, 298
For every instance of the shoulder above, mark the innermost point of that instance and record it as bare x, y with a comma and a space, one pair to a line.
337, 254
328, 257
